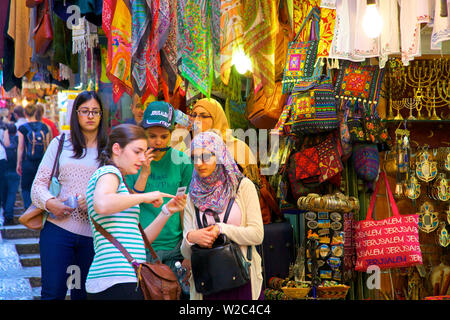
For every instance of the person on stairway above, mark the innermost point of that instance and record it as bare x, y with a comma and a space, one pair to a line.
66, 239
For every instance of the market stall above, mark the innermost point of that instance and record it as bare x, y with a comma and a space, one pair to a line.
333, 97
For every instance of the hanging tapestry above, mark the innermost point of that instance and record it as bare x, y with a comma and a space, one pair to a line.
140, 28
197, 51
116, 22
260, 28
169, 50
159, 11
355, 81
327, 21
232, 30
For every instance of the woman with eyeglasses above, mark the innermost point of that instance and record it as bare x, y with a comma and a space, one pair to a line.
214, 182
208, 115
66, 238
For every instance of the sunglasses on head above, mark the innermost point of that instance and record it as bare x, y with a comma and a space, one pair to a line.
203, 157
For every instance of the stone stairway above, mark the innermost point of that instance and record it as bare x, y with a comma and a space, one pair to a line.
21, 252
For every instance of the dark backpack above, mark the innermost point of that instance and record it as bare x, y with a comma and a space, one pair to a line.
11, 151
35, 141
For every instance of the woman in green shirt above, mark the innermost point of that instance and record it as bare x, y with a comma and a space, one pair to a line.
165, 170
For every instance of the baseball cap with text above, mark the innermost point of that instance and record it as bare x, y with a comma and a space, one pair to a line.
159, 114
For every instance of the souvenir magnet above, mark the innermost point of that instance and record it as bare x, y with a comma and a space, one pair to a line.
337, 251
325, 274
324, 240
337, 275
324, 250
312, 224
322, 215
334, 263
336, 225
335, 216
310, 215
324, 224
338, 238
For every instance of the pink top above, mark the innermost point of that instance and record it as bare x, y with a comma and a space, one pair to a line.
234, 218
74, 175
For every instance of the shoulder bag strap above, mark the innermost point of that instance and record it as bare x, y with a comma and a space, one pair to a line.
315, 15
391, 200
55, 169
113, 240
148, 245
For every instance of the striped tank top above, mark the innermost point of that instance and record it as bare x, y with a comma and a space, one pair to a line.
110, 266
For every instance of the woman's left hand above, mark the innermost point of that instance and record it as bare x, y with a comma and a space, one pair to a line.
82, 204
177, 204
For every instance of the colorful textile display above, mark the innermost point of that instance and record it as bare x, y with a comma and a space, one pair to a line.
303, 70
366, 161
197, 26
357, 82
116, 22
260, 28
327, 22
231, 25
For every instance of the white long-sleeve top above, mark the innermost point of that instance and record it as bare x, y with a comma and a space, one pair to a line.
250, 232
74, 175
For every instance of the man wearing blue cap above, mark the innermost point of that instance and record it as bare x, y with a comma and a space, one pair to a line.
165, 170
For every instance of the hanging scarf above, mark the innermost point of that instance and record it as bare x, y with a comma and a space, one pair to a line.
214, 192
116, 23
231, 35
200, 32
140, 29
169, 49
260, 28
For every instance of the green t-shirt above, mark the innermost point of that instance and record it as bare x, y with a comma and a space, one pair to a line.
174, 170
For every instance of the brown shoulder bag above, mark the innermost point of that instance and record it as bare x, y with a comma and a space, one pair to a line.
43, 33
157, 280
34, 218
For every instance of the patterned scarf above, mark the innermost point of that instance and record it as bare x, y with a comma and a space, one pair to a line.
232, 32
199, 28
260, 29
116, 23
214, 192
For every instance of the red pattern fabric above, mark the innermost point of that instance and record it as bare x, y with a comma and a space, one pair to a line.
307, 164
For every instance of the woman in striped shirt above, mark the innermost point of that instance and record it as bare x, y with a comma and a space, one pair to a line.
112, 206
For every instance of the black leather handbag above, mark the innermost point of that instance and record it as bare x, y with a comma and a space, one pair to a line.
221, 267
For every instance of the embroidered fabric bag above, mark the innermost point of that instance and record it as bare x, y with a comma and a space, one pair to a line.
389, 243
303, 70
330, 163
314, 110
366, 161
356, 82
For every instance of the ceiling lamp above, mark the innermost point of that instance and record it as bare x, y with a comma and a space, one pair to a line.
372, 20
241, 61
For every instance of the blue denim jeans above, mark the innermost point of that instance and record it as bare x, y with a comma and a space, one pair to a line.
64, 254
29, 169
12, 181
